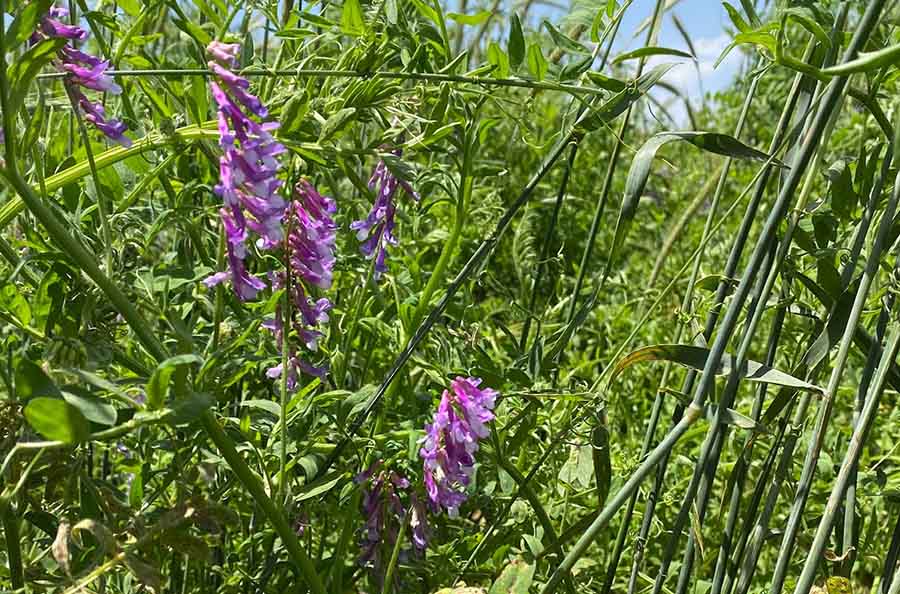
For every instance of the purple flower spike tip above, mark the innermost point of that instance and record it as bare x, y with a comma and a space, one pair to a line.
82, 71
376, 231
248, 171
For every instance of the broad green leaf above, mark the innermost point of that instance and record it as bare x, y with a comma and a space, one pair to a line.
188, 409
645, 52
516, 45
32, 382
618, 103
25, 23
320, 486
269, 406
159, 381
352, 22
695, 358
470, 19
515, 578
336, 122
564, 42
93, 409
537, 65
498, 58
23, 70
56, 419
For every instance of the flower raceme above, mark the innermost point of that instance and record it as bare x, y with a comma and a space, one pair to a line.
248, 169
451, 440
376, 231
310, 251
384, 512
83, 71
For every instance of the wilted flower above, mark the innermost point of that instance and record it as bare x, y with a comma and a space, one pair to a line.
310, 249
248, 170
376, 231
84, 70
451, 440
385, 512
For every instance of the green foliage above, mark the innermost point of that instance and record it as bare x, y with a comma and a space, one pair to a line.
144, 448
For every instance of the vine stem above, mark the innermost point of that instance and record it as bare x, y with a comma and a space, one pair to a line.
385, 74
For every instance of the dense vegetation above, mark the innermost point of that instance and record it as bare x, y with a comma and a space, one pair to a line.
381, 297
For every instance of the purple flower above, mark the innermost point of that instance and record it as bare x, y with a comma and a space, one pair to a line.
310, 248
451, 440
84, 70
376, 231
248, 170
384, 511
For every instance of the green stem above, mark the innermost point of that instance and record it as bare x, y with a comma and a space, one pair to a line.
386, 74
254, 485
13, 547
395, 555
102, 206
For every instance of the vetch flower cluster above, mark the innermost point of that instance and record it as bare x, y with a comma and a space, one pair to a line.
384, 511
451, 440
83, 70
248, 169
376, 231
310, 249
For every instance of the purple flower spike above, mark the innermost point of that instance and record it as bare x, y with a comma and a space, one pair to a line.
83, 70
310, 247
376, 231
248, 170
451, 440
386, 499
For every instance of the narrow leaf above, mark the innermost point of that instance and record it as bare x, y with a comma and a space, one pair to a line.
695, 357
516, 46
645, 52
352, 22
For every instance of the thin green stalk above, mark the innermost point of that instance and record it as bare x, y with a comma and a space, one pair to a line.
13, 546
545, 248
102, 205
824, 414
385, 74
686, 306
746, 452
286, 320
830, 101
699, 485
10, 255
612, 167
255, 487
388, 585
857, 441
691, 416
350, 335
